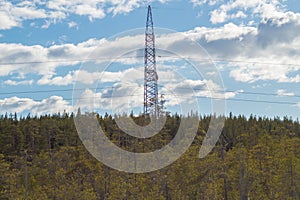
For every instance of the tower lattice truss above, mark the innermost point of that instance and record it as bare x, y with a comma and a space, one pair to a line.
150, 80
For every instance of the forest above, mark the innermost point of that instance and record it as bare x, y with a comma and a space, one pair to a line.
42, 157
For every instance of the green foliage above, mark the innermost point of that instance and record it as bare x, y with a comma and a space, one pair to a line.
255, 158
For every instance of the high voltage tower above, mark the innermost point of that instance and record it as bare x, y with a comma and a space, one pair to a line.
150, 74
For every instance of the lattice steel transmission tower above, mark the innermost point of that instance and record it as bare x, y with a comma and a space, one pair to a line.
150, 79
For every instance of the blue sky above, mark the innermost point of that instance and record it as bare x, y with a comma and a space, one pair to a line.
255, 47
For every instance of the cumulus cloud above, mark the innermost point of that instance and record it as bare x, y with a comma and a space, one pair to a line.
227, 32
72, 25
263, 10
218, 16
52, 104
12, 13
22, 59
25, 82
120, 98
266, 72
265, 52
201, 2
184, 90
7, 22
124, 94
283, 93
125, 97
125, 6
81, 76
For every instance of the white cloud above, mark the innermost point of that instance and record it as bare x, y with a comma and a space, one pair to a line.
268, 52
185, 90
135, 75
127, 91
228, 31
125, 6
282, 93
15, 104
72, 25
90, 11
21, 59
261, 51
81, 76
90, 74
53, 104
7, 21
264, 10
59, 80
27, 12
25, 82
12, 13
124, 95
42, 60
239, 14
46, 24
209, 2
266, 72
119, 98
218, 16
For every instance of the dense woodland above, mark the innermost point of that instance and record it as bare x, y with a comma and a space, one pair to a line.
255, 158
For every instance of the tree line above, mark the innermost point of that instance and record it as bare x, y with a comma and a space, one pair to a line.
42, 157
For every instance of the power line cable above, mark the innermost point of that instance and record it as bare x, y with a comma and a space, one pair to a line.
112, 87
71, 60
214, 98
233, 61
199, 97
159, 56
